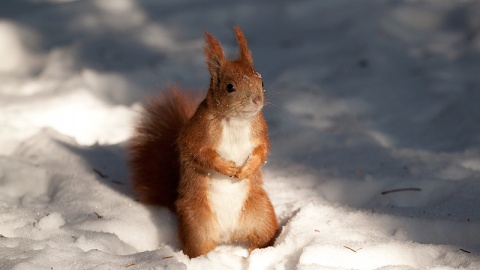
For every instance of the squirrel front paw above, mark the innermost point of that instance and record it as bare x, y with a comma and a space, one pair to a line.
252, 165
244, 172
228, 168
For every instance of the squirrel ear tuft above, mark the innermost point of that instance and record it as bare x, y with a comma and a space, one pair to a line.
214, 55
245, 54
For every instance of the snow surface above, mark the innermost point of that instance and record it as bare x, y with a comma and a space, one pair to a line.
364, 97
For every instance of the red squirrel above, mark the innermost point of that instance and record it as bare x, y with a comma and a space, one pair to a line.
205, 162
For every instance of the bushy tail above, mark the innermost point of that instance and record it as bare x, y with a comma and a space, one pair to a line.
153, 154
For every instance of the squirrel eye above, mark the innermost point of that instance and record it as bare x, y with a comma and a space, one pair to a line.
230, 88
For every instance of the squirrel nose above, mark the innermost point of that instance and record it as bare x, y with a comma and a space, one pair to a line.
257, 100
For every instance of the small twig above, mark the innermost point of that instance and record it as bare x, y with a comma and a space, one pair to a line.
117, 182
167, 257
129, 265
464, 250
317, 230
99, 173
98, 215
349, 248
400, 189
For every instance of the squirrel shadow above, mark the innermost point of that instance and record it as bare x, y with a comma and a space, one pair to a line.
109, 164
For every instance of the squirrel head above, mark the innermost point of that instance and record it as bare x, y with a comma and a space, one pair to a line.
236, 88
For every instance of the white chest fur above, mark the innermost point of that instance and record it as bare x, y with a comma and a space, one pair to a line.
227, 195
236, 144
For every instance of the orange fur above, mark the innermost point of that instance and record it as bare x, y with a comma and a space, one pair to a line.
155, 170
175, 154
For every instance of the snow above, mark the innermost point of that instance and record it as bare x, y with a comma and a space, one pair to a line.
364, 98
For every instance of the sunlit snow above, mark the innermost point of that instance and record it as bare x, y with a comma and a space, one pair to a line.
373, 113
